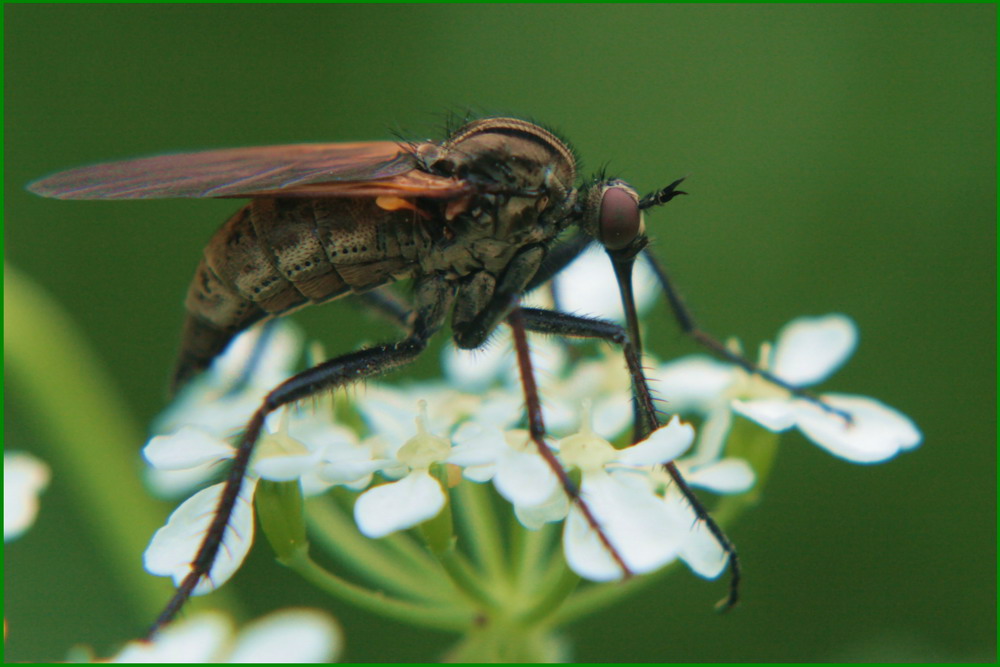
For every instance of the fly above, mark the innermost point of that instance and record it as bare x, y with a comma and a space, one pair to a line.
475, 221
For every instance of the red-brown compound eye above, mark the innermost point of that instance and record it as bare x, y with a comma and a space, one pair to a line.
620, 220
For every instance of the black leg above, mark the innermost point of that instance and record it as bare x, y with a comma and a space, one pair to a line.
433, 298
536, 426
688, 325
562, 324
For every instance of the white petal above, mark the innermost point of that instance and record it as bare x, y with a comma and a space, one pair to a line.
810, 349
349, 473
662, 446
286, 468
24, 477
774, 414
199, 639
701, 551
477, 444
611, 416
693, 384
712, 435
174, 546
277, 356
524, 478
291, 635
189, 447
876, 432
210, 409
730, 475
553, 509
480, 474
387, 508
634, 520
588, 286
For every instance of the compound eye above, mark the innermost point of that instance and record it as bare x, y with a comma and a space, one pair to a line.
620, 219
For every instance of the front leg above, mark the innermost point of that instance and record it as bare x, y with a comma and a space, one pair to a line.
433, 295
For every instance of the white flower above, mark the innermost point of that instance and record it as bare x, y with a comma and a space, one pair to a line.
307, 447
617, 487
510, 459
808, 351
415, 498
586, 287
291, 635
221, 400
24, 478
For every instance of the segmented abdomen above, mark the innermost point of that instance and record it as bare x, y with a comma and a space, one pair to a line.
277, 255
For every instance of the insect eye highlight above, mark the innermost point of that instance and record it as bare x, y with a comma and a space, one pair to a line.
620, 220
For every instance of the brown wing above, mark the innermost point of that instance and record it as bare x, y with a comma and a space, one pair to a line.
307, 170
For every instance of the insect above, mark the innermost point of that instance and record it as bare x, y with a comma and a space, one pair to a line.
475, 221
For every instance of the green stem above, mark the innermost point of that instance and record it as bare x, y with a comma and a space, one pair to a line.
531, 549
449, 617
481, 529
466, 579
418, 576
558, 586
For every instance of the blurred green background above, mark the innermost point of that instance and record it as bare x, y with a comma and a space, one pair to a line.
840, 158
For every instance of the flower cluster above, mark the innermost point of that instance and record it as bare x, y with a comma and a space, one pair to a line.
410, 448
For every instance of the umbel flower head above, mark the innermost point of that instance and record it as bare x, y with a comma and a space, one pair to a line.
408, 471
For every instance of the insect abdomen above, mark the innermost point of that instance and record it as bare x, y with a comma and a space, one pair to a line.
277, 255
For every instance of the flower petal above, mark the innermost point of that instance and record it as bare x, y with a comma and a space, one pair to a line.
876, 432
24, 477
188, 448
700, 550
291, 635
286, 468
712, 435
635, 521
774, 414
477, 444
387, 508
553, 509
173, 547
662, 446
198, 639
729, 475
588, 286
810, 349
694, 383
524, 478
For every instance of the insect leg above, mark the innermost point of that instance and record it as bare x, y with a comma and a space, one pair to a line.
562, 324
536, 426
433, 298
686, 320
